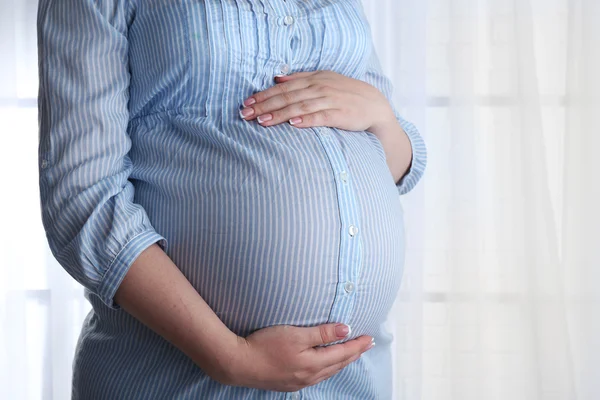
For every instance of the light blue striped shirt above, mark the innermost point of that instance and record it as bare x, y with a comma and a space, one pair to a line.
141, 142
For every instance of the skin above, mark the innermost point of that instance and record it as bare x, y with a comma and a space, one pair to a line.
282, 357
326, 98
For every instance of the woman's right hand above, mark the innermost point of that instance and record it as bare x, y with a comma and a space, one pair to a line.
284, 357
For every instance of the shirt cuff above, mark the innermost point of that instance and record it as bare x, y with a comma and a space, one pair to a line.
419, 158
122, 262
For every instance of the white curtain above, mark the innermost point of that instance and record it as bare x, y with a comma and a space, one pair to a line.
499, 299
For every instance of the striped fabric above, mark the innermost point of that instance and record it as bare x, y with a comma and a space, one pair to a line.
141, 142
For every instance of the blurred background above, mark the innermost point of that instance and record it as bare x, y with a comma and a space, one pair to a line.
499, 298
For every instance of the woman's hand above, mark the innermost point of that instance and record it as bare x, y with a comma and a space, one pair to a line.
321, 98
284, 357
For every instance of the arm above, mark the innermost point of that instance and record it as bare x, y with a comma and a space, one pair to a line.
403, 144
97, 233
93, 227
396, 145
327, 98
156, 292
106, 242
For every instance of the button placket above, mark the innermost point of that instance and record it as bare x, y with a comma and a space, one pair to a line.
350, 254
284, 21
288, 20
349, 287
284, 68
344, 176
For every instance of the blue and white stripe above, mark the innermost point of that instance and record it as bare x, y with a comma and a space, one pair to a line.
141, 142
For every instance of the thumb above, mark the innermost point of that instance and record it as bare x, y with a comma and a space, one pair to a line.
326, 333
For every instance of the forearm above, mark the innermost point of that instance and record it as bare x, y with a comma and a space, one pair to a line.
397, 147
156, 292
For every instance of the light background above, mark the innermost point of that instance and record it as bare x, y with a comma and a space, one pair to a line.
499, 298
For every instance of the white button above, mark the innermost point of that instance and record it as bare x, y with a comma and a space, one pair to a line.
349, 287
288, 20
352, 230
44, 163
344, 176
295, 396
284, 68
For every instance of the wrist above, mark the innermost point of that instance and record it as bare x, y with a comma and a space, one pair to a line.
386, 123
385, 126
219, 359
233, 363
235, 369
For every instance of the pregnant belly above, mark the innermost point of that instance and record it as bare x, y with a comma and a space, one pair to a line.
262, 238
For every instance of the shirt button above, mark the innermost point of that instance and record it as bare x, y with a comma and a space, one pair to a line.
349, 287
284, 68
44, 163
288, 20
344, 176
295, 396
352, 230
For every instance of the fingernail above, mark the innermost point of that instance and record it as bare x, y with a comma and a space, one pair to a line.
372, 342
279, 75
295, 120
264, 118
246, 112
342, 330
250, 101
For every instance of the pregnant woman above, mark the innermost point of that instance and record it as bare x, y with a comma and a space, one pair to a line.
223, 178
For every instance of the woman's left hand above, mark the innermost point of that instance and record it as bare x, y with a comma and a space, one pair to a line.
321, 98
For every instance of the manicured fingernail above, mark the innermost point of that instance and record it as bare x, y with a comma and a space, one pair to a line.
264, 118
372, 342
249, 101
342, 330
246, 112
279, 75
295, 120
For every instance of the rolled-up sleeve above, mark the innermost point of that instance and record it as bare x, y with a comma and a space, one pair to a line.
375, 76
94, 228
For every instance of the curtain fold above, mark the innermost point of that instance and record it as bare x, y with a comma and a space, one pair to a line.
580, 211
499, 296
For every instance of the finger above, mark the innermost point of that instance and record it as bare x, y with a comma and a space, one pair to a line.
286, 114
277, 89
334, 369
286, 99
327, 356
323, 117
323, 334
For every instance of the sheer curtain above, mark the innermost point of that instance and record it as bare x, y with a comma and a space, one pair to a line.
499, 299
